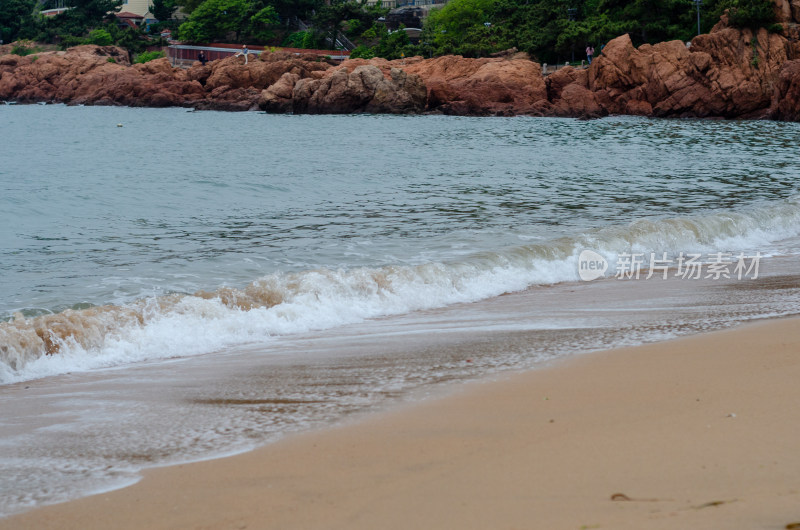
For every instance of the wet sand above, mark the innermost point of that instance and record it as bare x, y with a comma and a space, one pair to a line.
701, 432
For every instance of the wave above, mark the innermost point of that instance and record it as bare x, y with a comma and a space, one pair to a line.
179, 325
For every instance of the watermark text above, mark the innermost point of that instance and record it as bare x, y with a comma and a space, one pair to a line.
686, 266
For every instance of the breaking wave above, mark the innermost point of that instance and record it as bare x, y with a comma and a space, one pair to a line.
178, 325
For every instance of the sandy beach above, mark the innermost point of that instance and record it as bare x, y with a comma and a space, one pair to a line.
696, 433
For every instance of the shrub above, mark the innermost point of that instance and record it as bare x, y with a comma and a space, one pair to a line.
775, 28
751, 13
100, 37
362, 52
371, 33
23, 48
302, 39
148, 56
754, 46
68, 41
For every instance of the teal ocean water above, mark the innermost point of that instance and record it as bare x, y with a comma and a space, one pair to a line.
211, 281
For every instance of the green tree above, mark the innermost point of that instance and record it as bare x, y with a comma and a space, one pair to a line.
344, 16
467, 27
100, 37
394, 45
146, 57
13, 17
556, 30
258, 25
289, 9
164, 9
303, 39
188, 6
651, 20
219, 19
93, 11
132, 39
750, 13
362, 52
72, 26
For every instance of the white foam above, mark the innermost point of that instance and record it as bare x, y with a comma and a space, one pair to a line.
322, 299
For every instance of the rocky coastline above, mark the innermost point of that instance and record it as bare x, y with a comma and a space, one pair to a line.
728, 73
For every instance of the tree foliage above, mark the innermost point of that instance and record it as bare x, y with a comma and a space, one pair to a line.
146, 57
550, 30
303, 39
348, 17
290, 9
464, 27
69, 28
558, 30
163, 10
100, 37
750, 13
14, 16
235, 20
93, 11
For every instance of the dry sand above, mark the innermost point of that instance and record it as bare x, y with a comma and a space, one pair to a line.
698, 433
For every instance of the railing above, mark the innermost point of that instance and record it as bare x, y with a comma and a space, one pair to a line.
184, 55
340, 43
419, 3
391, 4
343, 42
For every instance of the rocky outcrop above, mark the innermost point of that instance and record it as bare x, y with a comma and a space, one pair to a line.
98, 75
505, 86
278, 98
279, 82
232, 85
568, 91
786, 96
787, 11
365, 89
729, 73
491, 86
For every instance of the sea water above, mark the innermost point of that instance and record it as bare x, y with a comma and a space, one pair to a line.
181, 285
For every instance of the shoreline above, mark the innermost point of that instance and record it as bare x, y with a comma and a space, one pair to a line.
695, 432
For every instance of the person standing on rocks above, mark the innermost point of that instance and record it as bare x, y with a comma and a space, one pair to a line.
589, 53
244, 52
202, 57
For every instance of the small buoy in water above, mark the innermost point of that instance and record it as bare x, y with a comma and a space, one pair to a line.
119, 125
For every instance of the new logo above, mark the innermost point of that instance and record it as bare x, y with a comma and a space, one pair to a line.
591, 265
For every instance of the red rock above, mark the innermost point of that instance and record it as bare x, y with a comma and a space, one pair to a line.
786, 97
84, 75
278, 97
365, 89
787, 11
490, 86
720, 75
558, 80
728, 73
577, 101
257, 73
